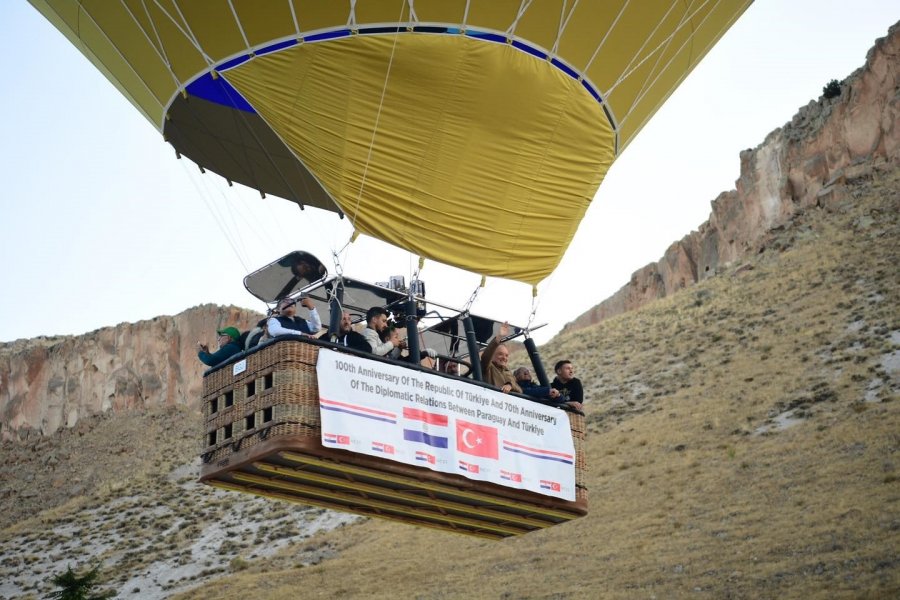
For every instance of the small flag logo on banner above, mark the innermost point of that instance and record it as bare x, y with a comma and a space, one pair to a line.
468, 467
550, 485
426, 417
510, 476
425, 457
333, 438
477, 440
382, 447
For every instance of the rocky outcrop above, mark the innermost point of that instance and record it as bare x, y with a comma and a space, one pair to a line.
47, 383
803, 164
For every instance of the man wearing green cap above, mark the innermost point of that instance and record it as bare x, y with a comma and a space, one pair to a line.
228, 347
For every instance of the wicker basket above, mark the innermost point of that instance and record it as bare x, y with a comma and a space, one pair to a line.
263, 437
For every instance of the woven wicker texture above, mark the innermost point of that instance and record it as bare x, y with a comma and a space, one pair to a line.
276, 398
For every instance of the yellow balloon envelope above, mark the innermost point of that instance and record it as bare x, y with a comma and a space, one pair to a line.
474, 133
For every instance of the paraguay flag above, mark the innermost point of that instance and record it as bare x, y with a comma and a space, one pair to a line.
538, 452
414, 435
425, 427
416, 414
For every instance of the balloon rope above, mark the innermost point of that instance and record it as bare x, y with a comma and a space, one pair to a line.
158, 46
296, 22
523, 7
606, 35
216, 218
193, 40
536, 299
387, 76
118, 51
240, 27
298, 161
648, 86
628, 67
664, 43
413, 17
563, 23
351, 18
338, 268
474, 295
534, 307
190, 34
298, 164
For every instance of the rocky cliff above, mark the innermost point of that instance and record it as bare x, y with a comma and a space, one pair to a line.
46, 383
806, 163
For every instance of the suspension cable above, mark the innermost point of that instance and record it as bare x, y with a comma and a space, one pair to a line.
216, 218
384, 87
474, 295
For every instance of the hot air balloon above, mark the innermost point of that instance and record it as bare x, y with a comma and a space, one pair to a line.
474, 133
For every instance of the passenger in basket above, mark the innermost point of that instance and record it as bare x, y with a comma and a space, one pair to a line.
349, 337
569, 386
427, 356
257, 335
495, 363
529, 387
376, 325
228, 347
288, 323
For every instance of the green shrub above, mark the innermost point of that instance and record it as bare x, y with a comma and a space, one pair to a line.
832, 89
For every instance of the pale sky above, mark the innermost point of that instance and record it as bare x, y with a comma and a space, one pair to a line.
101, 224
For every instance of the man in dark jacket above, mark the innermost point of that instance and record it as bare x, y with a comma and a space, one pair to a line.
228, 347
349, 337
568, 385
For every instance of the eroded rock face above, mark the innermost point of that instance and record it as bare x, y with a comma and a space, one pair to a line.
48, 383
801, 165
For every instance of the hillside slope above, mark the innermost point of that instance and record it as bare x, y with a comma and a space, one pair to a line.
744, 444
793, 169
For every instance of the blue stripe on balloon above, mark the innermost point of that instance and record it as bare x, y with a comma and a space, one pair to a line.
221, 92
218, 91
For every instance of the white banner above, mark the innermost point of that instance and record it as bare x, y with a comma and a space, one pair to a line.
446, 425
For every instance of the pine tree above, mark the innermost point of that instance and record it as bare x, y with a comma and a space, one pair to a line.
73, 587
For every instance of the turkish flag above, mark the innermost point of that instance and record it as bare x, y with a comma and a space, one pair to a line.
477, 440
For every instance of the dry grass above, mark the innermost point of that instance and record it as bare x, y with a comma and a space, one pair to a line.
686, 500
695, 492
153, 530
